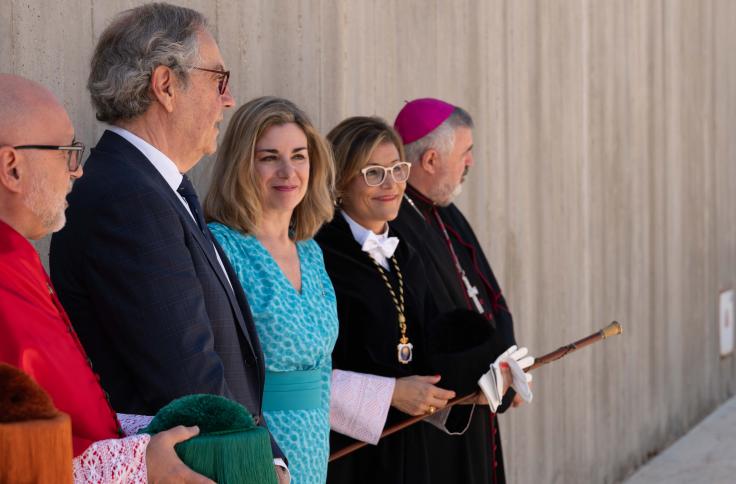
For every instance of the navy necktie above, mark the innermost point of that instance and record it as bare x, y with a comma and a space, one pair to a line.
186, 190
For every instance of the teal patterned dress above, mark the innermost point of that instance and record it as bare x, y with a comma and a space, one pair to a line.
297, 332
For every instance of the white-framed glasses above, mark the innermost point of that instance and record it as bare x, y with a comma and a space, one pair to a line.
375, 175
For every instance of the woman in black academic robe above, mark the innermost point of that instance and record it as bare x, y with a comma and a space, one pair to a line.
366, 343
370, 180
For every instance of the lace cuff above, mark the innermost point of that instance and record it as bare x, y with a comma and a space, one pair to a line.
113, 461
359, 404
131, 424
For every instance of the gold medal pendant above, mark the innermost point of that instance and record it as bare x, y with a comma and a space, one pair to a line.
404, 348
404, 351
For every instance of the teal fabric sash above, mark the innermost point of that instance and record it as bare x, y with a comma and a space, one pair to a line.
292, 390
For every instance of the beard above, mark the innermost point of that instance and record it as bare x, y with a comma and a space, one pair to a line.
445, 192
49, 210
456, 192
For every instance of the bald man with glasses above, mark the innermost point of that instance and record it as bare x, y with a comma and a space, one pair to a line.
36, 173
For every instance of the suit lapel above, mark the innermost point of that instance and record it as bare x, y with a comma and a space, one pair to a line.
112, 143
209, 251
245, 319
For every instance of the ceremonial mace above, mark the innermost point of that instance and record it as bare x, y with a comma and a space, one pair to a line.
612, 329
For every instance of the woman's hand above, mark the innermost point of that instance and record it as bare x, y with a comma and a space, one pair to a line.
162, 462
418, 395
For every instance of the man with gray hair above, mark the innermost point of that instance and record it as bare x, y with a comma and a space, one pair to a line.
154, 299
438, 139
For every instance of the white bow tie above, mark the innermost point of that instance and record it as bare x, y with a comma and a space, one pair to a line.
384, 248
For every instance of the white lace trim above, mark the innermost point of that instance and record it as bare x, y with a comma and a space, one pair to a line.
113, 461
359, 404
131, 424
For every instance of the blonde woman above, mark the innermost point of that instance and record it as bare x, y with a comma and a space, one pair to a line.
271, 191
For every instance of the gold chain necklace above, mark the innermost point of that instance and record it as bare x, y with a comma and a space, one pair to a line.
404, 350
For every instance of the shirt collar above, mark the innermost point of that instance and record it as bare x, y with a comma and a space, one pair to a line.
360, 233
163, 164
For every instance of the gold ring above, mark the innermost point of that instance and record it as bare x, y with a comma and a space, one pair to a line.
432, 409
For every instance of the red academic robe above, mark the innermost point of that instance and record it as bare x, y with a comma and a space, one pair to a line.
36, 336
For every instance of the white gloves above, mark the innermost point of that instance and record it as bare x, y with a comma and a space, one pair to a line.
491, 383
520, 379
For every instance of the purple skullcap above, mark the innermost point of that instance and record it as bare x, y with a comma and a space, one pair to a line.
420, 117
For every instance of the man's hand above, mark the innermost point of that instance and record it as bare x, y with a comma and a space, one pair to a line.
417, 395
283, 475
164, 465
507, 370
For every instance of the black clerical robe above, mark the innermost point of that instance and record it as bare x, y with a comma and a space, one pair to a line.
436, 233
366, 343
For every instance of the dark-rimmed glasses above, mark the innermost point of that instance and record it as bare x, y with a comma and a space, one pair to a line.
75, 154
375, 175
222, 79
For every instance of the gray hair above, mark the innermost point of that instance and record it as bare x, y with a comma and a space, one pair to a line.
131, 47
442, 138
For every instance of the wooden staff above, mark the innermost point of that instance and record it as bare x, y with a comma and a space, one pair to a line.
612, 329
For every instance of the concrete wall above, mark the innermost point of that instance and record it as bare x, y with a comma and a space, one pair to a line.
605, 184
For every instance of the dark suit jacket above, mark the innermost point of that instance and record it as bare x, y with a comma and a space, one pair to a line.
146, 293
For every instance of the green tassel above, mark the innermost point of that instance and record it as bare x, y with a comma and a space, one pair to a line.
230, 448
231, 458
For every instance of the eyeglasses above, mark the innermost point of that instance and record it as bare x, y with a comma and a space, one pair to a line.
75, 154
375, 175
222, 79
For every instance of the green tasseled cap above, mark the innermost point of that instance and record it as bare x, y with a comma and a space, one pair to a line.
230, 448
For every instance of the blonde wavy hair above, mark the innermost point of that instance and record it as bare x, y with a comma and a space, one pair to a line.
234, 197
353, 142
